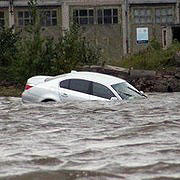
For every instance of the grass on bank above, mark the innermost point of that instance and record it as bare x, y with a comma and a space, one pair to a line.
152, 58
10, 91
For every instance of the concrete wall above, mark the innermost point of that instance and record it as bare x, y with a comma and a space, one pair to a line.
154, 29
106, 36
50, 31
115, 40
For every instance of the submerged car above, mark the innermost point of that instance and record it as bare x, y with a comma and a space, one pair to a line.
78, 86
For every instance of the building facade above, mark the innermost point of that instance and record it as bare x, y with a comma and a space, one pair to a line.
118, 27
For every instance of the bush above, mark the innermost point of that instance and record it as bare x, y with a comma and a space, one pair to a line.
73, 50
41, 55
34, 54
8, 48
152, 58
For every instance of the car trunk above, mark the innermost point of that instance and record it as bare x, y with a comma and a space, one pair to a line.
33, 81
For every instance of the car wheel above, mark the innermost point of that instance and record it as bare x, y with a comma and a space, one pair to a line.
48, 100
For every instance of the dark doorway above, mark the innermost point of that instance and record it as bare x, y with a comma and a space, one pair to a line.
176, 33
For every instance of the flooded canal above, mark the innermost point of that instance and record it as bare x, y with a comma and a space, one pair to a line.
137, 139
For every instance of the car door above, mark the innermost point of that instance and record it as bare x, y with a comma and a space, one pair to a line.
74, 89
101, 92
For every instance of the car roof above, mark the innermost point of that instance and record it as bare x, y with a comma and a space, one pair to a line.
91, 76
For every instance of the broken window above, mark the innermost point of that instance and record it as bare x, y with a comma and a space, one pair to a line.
49, 18
83, 16
142, 16
164, 15
24, 18
107, 16
1, 19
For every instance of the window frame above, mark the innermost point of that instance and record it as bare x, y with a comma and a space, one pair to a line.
103, 18
47, 19
24, 19
2, 19
145, 17
77, 17
166, 16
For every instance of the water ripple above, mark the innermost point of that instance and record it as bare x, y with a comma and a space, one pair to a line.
91, 140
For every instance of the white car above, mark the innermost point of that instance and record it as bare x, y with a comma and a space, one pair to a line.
78, 86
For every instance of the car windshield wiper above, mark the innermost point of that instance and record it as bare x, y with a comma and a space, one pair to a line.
124, 95
137, 92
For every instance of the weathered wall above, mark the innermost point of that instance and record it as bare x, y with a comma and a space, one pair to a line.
54, 31
154, 29
111, 38
107, 36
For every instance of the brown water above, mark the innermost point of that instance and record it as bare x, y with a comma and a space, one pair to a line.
91, 140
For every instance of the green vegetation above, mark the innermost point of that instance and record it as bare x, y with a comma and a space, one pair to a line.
23, 56
152, 58
11, 91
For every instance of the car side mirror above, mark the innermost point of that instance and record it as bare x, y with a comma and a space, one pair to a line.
143, 94
113, 99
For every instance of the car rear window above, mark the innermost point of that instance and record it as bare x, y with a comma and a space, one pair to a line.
64, 84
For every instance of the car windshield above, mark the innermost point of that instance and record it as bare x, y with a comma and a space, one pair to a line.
126, 91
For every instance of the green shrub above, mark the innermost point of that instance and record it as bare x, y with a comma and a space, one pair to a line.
73, 50
152, 58
8, 48
40, 55
34, 54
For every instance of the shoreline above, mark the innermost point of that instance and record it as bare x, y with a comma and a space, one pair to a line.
144, 80
10, 89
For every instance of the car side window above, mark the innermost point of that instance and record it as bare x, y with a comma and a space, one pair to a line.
65, 84
80, 85
101, 91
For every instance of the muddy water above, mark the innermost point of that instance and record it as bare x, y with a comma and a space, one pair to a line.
91, 140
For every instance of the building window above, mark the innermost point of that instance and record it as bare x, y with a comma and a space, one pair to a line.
83, 16
1, 19
24, 18
142, 16
107, 16
164, 15
49, 18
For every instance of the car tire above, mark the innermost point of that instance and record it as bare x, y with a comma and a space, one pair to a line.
48, 100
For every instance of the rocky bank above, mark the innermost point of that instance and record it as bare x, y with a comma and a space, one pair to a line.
145, 80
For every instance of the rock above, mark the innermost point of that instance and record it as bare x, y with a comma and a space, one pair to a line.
177, 75
142, 73
107, 69
144, 80
177, 58
115, 68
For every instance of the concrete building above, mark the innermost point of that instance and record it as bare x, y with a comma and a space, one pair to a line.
119, 27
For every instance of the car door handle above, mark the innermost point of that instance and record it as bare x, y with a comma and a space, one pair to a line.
64, 95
